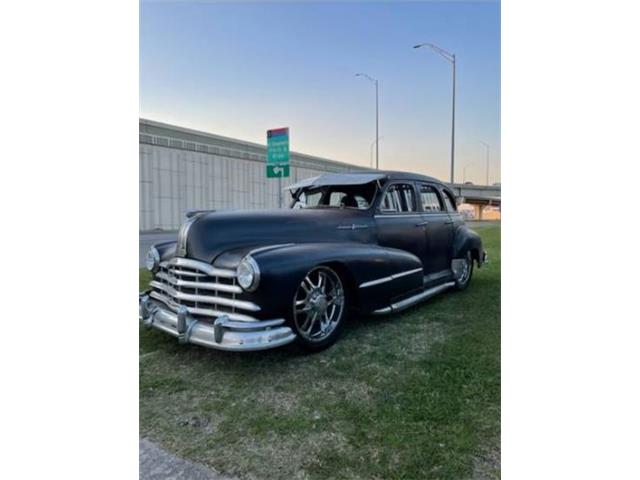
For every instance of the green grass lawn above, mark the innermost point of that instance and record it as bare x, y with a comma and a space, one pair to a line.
413, 395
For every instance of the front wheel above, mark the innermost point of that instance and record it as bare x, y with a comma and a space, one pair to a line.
319, 309
465, 271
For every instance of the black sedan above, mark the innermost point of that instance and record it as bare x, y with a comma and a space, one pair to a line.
370, 242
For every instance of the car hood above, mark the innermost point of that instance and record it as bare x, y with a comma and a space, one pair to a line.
212, 234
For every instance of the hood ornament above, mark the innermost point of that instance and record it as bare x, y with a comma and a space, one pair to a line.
183, 233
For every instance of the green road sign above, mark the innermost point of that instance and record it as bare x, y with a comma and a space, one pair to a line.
277, 170
278, 153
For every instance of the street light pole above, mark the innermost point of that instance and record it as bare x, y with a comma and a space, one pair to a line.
375, 142
375, 82
487, 148
451, 57
464, 172
453, 117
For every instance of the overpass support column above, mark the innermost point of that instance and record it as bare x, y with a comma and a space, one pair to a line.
478, 212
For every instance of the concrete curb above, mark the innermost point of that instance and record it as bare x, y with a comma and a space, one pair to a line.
158, 464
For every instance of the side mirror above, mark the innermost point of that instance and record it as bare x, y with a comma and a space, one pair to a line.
460, 200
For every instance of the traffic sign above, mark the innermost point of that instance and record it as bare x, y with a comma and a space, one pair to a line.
278, 170
278, 153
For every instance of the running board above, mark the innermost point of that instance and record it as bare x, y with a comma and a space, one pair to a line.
411, 301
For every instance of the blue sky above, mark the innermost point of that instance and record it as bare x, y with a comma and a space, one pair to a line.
240, 68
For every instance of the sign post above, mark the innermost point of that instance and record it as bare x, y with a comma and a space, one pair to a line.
278, 157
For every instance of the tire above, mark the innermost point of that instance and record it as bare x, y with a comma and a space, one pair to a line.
319, 309
464, 278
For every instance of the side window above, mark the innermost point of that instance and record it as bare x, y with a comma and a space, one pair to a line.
308, 199
449, 201
398, 198
429, 198
336, 198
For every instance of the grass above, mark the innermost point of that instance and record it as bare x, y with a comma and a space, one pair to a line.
408, 396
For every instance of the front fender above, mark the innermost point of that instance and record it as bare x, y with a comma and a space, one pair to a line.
167, 250
370, 272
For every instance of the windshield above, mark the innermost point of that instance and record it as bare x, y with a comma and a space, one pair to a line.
357, 197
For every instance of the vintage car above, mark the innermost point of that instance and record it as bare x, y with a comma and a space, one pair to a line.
370, 242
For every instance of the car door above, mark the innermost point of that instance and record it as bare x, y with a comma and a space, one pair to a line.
437, 229
397, 219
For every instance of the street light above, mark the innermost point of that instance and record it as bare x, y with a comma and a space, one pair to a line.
464, 172
375, 82
371, 150
487, 148
451, 57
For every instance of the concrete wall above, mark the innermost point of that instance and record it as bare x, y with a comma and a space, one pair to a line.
182, 169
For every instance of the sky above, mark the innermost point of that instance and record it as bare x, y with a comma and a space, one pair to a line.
240, 68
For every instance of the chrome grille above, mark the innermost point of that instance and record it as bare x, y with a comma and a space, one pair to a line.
207, 292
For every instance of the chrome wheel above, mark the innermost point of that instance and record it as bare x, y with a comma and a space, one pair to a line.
465, 270
318, 305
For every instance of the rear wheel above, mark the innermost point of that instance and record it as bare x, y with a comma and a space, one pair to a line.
319, 308
465, 272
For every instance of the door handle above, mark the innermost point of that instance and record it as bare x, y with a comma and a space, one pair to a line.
422, 224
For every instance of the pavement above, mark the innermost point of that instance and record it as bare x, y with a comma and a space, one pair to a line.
147, 239
158, 464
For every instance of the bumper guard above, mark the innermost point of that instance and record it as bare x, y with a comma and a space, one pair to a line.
224, 334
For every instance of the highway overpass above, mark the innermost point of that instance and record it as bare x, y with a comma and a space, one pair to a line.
479, 196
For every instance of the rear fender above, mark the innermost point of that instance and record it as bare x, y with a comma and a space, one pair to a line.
466, 240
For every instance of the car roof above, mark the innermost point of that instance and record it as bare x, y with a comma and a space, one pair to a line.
395, 175
359, 178
364, 176
409, 176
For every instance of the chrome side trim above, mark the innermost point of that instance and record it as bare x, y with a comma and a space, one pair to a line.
376, 282
201, 266
228, 302
353, 226
397, 215
269, 247
404, 274
409, 302
389, 278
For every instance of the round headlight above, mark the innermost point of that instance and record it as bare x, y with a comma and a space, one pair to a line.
248, 274
153, 259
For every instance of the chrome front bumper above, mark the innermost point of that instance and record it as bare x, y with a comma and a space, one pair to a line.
224, 334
